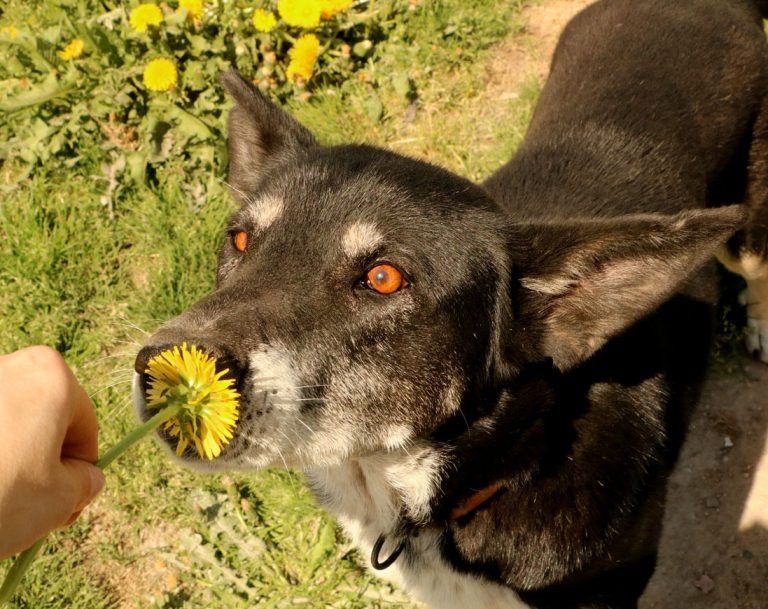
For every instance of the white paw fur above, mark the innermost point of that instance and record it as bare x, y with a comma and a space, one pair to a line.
756, 338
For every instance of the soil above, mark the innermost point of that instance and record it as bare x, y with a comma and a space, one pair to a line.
714, 550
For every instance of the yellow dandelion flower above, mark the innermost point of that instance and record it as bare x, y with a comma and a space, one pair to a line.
329, 8
194, 8
300, 13
73, 50
264, 21
303, 56
10, 30
160, 75
208, 404
145, 15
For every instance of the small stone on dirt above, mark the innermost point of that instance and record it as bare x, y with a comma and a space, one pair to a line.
705, 583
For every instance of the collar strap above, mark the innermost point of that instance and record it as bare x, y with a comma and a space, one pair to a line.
475, 501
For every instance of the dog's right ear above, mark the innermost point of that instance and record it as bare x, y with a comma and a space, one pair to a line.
582, 282
260, 134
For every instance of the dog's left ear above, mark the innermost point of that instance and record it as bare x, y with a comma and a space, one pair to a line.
583, 282
260, 134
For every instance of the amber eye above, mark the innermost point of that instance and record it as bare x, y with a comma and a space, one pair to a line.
240, 240
385, 279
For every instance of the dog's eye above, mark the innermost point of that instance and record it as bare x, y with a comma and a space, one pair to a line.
240, 240
385, 279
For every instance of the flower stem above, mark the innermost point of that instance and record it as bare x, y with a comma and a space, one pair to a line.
25, 559
16, 572
137, 434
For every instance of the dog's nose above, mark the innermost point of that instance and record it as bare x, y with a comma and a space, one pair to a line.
146, 354
224, 359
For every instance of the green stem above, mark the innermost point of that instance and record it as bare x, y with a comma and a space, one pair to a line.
25, 559
137, 434
16, 572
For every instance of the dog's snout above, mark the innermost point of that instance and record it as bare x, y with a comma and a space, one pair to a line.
224, 359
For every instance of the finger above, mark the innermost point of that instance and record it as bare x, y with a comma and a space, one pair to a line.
73, 517
82, 435
81, 482
50, 386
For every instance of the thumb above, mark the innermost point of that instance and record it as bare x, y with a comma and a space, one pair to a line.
82, 482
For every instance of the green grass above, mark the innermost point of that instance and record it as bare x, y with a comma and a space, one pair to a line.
89, 274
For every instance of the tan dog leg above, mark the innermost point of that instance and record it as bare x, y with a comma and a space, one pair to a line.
755, 298
755, 270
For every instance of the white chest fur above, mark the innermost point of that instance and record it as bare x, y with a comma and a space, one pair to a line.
368, 495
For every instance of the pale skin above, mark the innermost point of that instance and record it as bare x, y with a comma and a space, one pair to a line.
48, 444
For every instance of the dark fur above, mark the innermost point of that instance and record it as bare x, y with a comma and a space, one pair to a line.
571, 295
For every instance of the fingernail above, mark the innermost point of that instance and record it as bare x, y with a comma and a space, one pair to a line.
97, 482
72, 518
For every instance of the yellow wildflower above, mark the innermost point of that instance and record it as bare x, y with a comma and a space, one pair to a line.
160, 75
10, 30
264, 21
194, 8
300, 13
187, 378
329, 8
73, 50
303, 55
145, 15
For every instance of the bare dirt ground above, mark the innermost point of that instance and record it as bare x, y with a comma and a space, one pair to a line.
714, 551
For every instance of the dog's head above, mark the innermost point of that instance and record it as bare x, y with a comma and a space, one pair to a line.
364, 298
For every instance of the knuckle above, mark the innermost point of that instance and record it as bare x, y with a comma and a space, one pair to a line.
48, 363
44, 357
44, 369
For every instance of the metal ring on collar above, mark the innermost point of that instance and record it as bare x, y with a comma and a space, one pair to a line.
379, 565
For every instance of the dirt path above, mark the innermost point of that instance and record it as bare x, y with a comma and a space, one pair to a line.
714, 551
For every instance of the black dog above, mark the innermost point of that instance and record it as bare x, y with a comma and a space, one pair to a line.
488, 385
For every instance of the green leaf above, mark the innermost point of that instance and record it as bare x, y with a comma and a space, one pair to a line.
363, 48
175, 20
324, 547
137, 165
373, 106
49, 89
194, 76
403, 85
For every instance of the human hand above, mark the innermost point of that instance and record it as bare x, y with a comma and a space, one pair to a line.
48, 442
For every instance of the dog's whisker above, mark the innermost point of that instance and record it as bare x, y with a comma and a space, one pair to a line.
119, 406
96, 360
466, 422
305, 425
117, 370
262, 380
235, 189
127, 324
306, 386
287, 469
290, 442
110, 386
115, 374
289, 401
132, 343
152, 320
